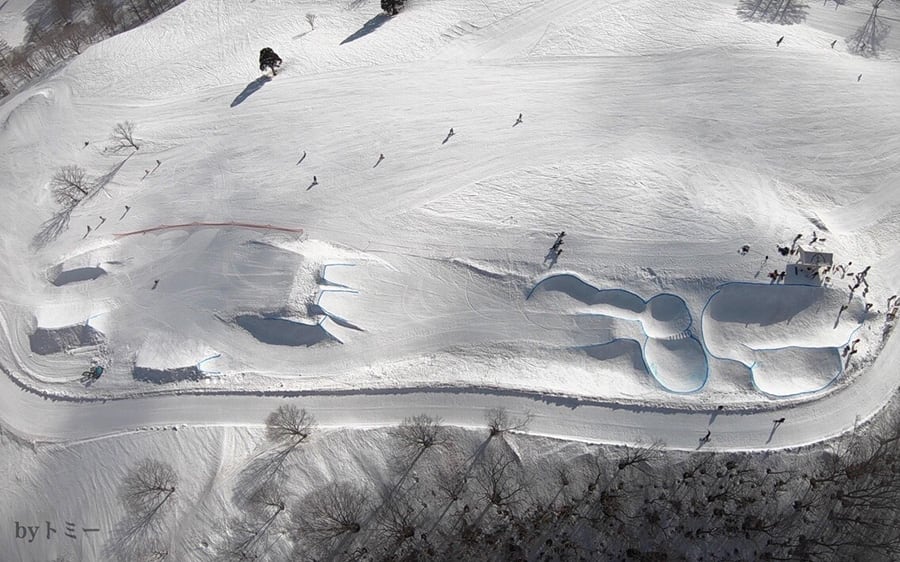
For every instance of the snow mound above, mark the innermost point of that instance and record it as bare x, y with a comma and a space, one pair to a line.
670, 353
281, 331
678, 365
77, 275
45, 341
796, 370
165, 376
66, 326
663, 316
31, 115
787, 335
166, 359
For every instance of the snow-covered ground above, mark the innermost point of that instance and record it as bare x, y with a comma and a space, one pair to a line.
660, 153
661, 136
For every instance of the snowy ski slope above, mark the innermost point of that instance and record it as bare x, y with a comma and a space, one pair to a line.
661, 136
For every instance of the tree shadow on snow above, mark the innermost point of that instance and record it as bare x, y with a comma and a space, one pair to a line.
869, 39
251, 89
52, 228
368, 27
785, 12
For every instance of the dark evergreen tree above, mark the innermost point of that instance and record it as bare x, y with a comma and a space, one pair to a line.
392, 7
268, 59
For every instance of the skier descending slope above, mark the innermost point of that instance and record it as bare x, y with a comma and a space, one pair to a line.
268, 59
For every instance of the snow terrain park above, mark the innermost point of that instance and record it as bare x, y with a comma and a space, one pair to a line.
618, 223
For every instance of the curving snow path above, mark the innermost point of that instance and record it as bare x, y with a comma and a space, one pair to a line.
39, 418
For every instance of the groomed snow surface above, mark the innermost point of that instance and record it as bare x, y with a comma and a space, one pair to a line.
661, 136
209, 258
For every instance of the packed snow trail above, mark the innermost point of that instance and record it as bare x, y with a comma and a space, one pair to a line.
40, 418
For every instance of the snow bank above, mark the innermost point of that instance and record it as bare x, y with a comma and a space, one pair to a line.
787, 335
167, 359
672, 356
45, 341
66, 326
280, 331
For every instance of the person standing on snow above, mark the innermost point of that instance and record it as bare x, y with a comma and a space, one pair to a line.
268, 59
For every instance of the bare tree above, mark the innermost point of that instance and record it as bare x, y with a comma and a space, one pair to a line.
289, 425
336, 510
152, 7
147, 487
499, 421
311, 20
417, 434
640, 457
400, 516
136, 10
65, 9
106, 14
21, 63
451, 480
500, 479
76, 35
70, 185
253, 534
146, 490
123, 137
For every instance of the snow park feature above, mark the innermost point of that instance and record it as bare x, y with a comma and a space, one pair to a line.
730, 207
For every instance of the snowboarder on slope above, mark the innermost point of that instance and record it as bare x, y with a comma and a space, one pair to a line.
268, 59
780, 39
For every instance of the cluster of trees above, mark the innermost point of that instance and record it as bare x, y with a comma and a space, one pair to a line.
70, 184
66, 29
455, 496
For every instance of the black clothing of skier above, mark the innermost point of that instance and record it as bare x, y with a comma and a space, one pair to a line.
268, 59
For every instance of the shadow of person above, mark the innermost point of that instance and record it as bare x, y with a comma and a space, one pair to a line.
368, 27
775, 425
251, 89
551, 257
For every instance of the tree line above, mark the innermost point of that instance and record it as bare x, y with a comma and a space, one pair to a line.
454, 495
65, 29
